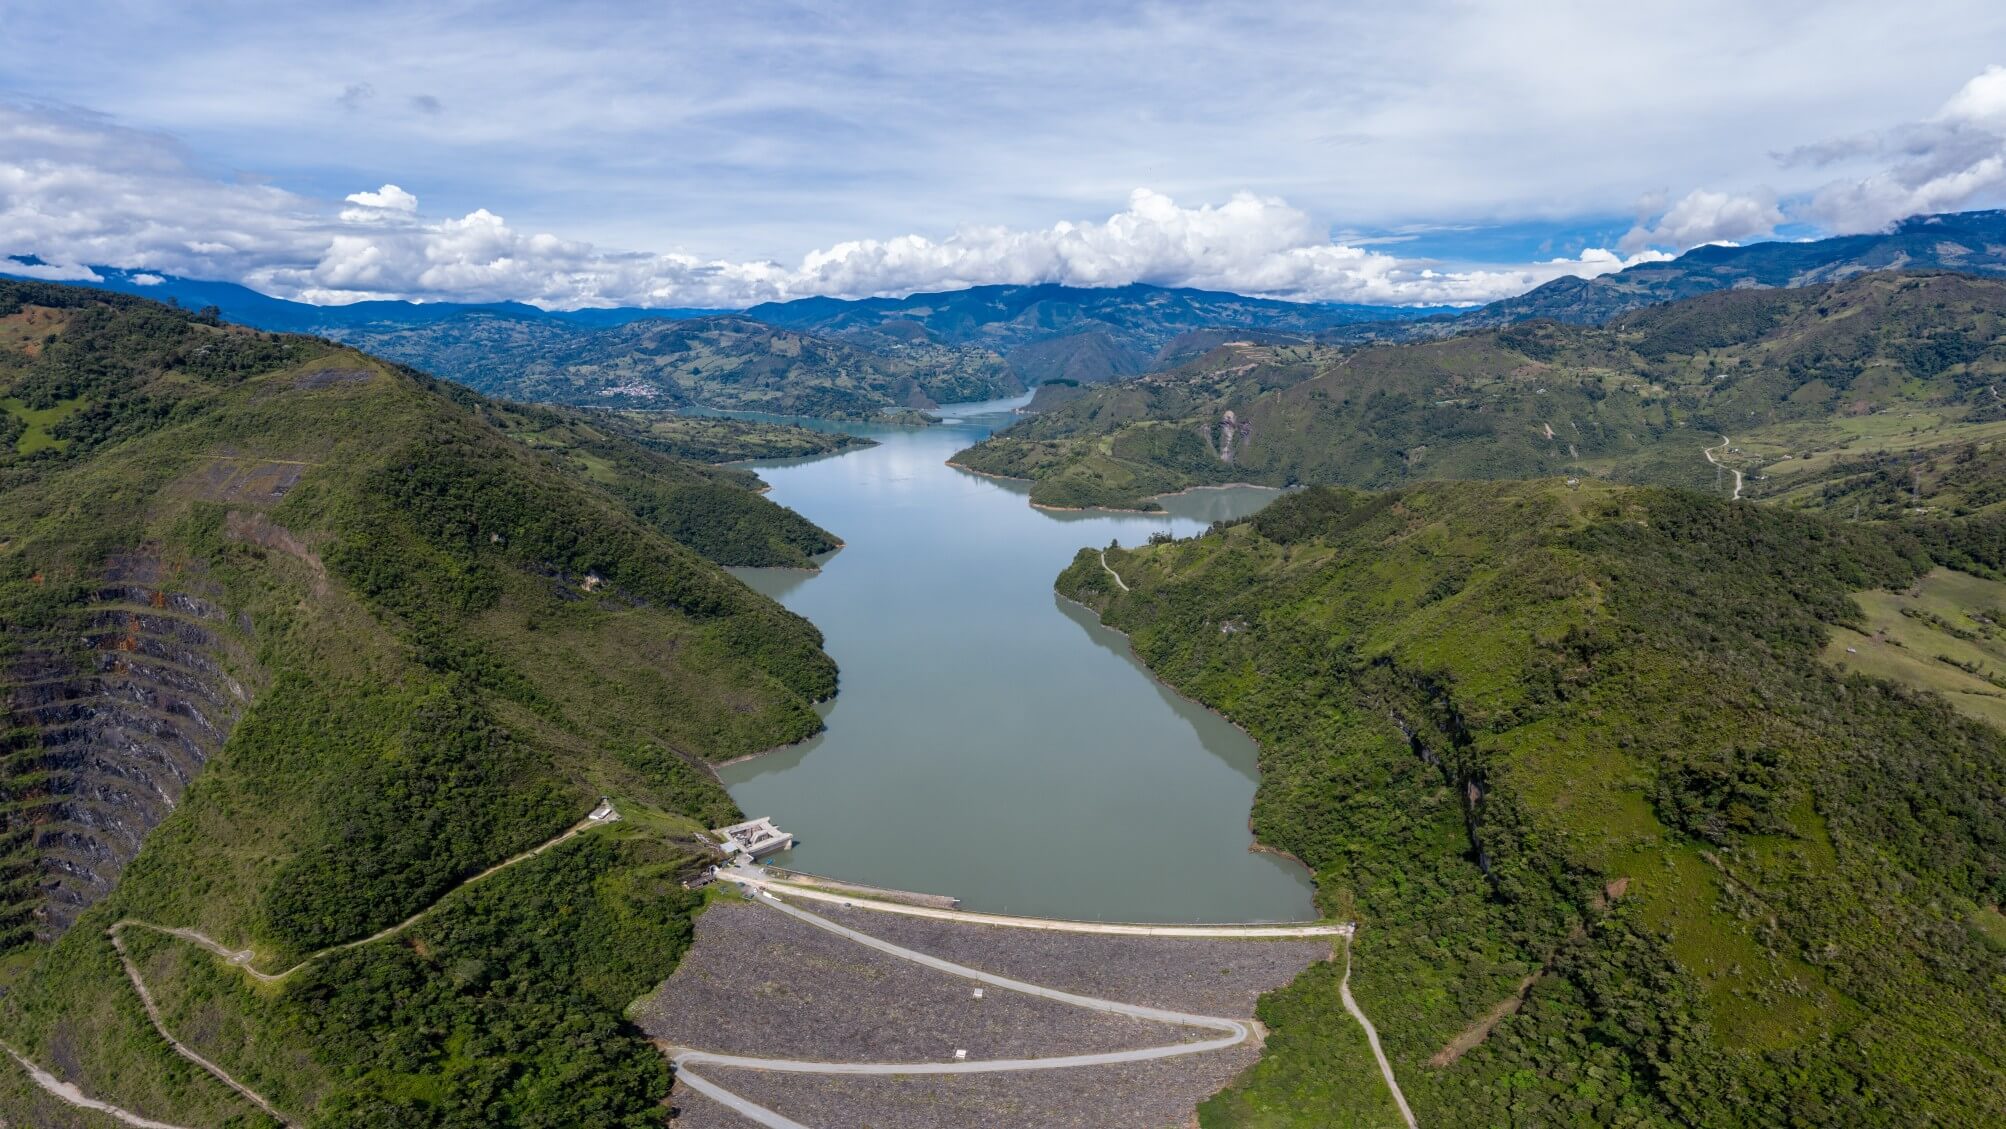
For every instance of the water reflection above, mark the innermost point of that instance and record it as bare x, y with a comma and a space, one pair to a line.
1218, 735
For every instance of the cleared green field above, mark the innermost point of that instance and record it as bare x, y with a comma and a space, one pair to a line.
1940, 635
38, 424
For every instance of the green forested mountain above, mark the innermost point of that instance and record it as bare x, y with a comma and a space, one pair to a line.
646, 462
721, 439
1625, 848
726, 362
1816, 374
293, 642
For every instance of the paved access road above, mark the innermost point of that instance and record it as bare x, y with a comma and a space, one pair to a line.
758, 881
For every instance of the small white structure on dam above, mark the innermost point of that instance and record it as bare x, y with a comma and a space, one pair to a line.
753, 838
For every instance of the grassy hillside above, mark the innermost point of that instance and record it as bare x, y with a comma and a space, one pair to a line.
725, 362
1940, 635
642, 461
295, 641
1116, 446
1624, 848
715, 439
1821, 372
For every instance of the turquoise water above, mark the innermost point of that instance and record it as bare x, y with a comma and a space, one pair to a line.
990, 740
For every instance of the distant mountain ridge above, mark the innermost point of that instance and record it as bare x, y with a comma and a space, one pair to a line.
986, 315
245, 306
724, 361
1968, 242
875, 355
1039, 332
1050, 331
1012, 315
1004, 317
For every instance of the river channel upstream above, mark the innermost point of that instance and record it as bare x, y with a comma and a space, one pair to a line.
991, 741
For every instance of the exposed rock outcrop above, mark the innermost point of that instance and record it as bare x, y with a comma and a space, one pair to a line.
1234, 435
111, 714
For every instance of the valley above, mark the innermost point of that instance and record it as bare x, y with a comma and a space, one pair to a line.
1588, 774
931, 566
987, 742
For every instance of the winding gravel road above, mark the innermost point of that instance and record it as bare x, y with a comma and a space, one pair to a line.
70, 1094
242, 957
160, 1025
1372, 1037
1708, 452
1112, 572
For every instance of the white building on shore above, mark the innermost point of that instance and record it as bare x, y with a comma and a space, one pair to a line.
753, 839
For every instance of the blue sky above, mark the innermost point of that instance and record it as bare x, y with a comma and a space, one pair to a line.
691, 154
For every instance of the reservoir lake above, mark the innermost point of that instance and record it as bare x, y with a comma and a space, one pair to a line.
991, 741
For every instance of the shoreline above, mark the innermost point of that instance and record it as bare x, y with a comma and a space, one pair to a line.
988, 474
1098, 510
1261, 848
1256, 847
743, 757
1047, 506
813, 568
1221, 486
1159, 511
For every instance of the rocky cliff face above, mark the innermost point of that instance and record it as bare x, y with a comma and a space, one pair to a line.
110, 715
1234, 435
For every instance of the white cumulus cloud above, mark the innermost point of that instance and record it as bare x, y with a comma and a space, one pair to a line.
76, 189
1704, 216
1250, 244
1953, 160
387, 204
